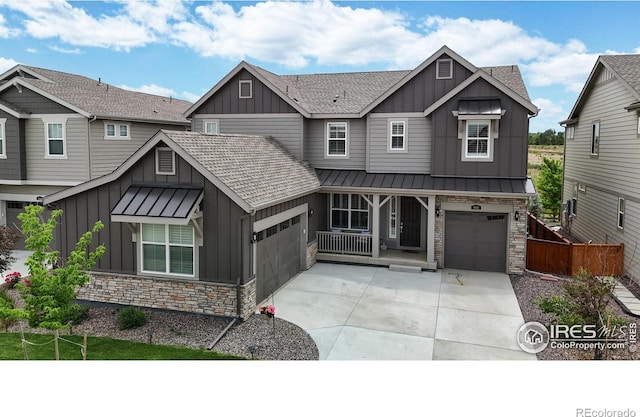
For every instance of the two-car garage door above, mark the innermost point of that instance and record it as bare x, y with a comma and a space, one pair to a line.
476, 241
278, 256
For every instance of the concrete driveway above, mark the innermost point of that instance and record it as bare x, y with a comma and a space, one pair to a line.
370, 313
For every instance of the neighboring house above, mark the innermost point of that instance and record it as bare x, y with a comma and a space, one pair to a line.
601, 190
58, 130
424, 168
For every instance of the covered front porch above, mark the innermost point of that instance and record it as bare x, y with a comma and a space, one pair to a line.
386, 258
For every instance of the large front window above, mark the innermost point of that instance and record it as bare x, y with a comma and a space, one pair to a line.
55, 139
168, 249
349, 211
393, 217
477, 139
337, 139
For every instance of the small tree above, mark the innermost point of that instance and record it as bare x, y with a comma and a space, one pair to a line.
585, 300
49, 293
550, 186
535, 207
8, 239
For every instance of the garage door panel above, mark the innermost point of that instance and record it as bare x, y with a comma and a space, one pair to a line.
476, 241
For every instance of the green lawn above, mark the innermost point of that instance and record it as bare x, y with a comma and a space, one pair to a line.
98, 348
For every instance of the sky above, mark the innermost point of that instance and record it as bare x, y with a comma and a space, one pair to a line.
183, 48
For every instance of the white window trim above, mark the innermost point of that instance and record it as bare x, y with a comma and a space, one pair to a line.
167, 245
450, 76
250, 83
327, 139
594, 145
47, 155
3, 139
638, 125
620, 216
207, 122
116, 127
173, 162
477, 158
570, 132
390, 147
393, 217
349, 209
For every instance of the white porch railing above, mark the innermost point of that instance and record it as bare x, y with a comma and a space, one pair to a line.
344, 243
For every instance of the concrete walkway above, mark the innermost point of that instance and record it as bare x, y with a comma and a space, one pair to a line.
370, 313
629, 302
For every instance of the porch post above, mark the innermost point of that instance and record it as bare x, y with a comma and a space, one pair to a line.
375, 232
431, 228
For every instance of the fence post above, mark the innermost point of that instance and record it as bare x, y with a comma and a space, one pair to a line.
55, 344
24, 344
84, 347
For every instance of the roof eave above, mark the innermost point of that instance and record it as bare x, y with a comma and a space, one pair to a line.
424, 192
51, 97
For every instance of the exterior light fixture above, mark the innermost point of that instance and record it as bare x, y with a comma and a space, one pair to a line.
438, 210
516, 215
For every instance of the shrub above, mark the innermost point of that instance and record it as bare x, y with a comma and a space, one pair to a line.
78, 313
6, 303
130, 318
8, 239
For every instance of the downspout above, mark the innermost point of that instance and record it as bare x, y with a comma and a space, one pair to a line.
90, 159
238, 280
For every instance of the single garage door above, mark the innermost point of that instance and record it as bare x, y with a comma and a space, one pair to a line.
475, 241
278, 256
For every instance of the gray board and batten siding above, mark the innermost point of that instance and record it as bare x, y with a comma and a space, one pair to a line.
14, 167
423, 90
286, 127
315, 134
510, 148
227, 100
224, 255
32, 102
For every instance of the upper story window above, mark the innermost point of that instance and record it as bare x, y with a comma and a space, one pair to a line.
595, 138
116, 131
165, 161
337, 139
245, 89
55, 140
569, 132
444, 69
397, 136
477, 139
211, 127
168, 249
3, 142
620, 213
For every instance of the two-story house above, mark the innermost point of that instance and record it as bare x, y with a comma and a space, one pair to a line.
601, 187
425, 168
58, 130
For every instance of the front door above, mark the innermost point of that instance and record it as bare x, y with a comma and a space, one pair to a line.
410, 214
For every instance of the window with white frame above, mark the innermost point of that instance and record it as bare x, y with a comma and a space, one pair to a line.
245, 88
3, 142
595, 138
165, 161
337, 139
620, 213
55, 141
477, 139
569, 132
116, 130
638, 125
393, 217
444, 69
397, 135
168, 249
211, 127
349, 211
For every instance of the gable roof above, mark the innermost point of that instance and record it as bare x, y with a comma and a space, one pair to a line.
354, 94
254, 171
626, 69
95, 98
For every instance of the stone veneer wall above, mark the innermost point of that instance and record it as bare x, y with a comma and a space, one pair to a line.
190, 296
312, 250
516, 257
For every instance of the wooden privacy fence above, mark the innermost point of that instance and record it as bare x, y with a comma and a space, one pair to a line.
548, 251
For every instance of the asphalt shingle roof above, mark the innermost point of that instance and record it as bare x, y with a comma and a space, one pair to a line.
627, 67
356, 90
257, 168
107, 101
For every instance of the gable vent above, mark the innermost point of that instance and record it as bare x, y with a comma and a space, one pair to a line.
165, 161
444, 69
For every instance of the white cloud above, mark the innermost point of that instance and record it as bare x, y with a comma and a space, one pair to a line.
73, 25
32, 50
6, 32
190, 96
550, 114
151, 89
6, 64
156, 15
74, 51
